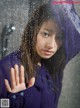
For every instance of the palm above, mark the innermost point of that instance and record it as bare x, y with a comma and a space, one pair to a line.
18, 80
19, 87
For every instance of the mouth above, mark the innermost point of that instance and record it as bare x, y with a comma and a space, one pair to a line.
47, 52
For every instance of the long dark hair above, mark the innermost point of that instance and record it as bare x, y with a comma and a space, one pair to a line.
29, 56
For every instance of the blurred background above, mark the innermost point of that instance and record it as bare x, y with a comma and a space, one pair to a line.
14, 15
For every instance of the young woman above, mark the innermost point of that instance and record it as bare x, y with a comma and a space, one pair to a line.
33, 74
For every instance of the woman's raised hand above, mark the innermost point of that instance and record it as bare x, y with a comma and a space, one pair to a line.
18, 80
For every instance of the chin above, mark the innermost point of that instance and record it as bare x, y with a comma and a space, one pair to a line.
46, 57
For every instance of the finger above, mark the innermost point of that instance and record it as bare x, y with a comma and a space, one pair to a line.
7, 85
13, 82
31, 82
22, 79
16, 74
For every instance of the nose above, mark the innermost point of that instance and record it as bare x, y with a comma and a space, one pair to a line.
51, 42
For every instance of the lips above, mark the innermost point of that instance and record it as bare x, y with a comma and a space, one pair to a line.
47, 52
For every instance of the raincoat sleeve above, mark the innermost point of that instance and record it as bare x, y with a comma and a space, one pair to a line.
25, 99
69, 23
72, 31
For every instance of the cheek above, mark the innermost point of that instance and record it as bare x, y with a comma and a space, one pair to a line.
40, 42
39, 45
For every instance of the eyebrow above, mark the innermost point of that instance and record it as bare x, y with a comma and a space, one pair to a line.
49, 30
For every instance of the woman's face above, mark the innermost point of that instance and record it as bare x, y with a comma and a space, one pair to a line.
47, 42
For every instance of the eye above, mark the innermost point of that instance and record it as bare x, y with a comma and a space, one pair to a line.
45, 34
59, 37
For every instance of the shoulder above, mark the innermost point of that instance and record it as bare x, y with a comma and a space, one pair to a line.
9, 61
12, 57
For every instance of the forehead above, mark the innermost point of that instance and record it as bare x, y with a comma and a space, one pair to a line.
50, 26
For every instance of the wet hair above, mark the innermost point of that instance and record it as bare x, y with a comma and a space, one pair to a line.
29, 56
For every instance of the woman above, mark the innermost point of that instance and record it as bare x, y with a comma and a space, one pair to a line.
47, 45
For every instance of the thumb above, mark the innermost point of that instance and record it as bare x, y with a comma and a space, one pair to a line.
31, 82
